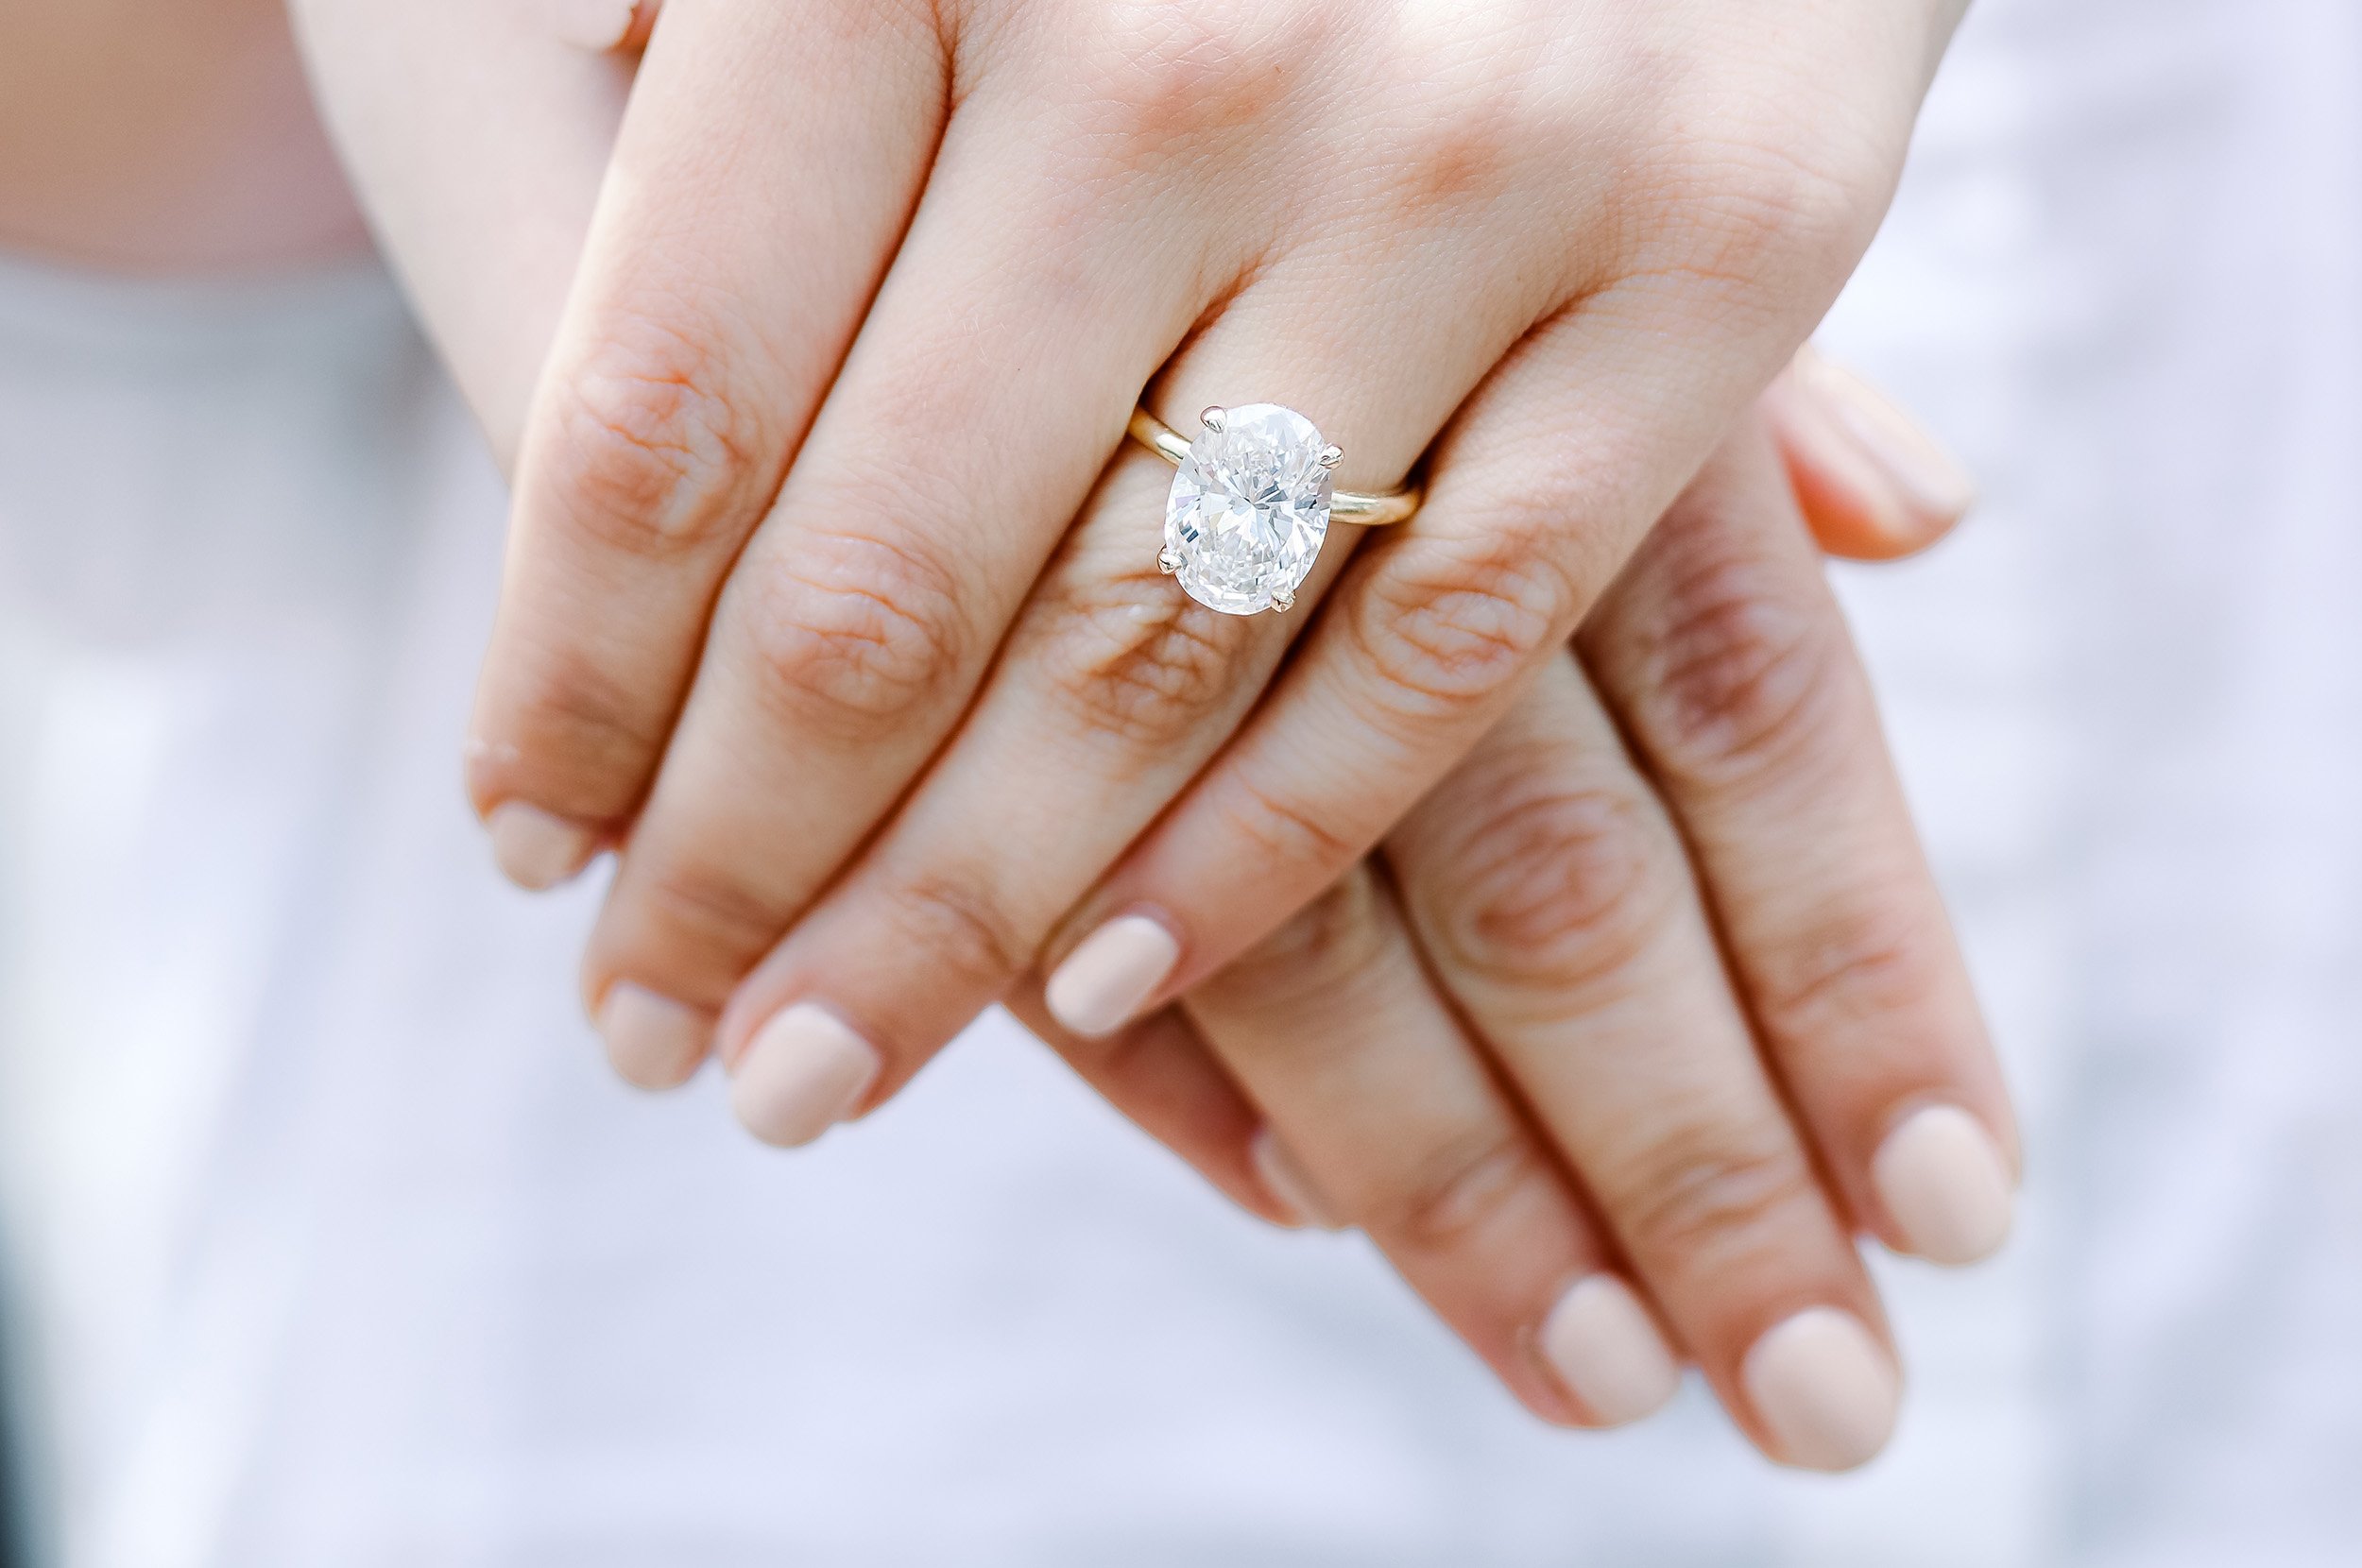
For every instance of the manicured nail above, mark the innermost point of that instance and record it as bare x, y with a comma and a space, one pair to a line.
1824, 1388
596, 24
534, 849
1606, 1349
803, 1073
1944, 1184
653, 1042
1929, 478
1285, 1179
1119, 966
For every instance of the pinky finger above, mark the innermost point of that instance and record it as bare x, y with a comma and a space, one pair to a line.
1384, 1115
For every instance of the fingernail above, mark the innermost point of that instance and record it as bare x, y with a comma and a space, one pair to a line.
1825, 1389
1285, 1179
534, 849
803, 1073
597, 24
1605, 1348
1944, 1184
1119, 966
1929, 477
653, 1042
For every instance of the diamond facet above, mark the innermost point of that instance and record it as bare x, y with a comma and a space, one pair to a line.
1249, 508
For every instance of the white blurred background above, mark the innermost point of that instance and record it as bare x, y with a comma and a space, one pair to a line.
328, 1239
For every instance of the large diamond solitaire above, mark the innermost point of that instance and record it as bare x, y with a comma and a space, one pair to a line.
1249, 508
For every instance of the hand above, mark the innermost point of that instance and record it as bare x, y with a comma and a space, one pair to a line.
793, 596
1803, 860
1651, 1002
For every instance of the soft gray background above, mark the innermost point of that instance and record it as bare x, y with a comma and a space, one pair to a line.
332, 1243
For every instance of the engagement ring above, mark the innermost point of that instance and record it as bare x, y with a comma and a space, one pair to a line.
1251, 504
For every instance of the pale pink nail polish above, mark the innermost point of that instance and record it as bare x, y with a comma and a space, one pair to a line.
534, 849
805, 1071
1825, 1388
1285, 1179
653, 1042
1944, 1184
1929, 478
1605, 1348
1102, 984
595, 25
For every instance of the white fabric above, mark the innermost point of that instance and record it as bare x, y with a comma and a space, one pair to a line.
332, 1241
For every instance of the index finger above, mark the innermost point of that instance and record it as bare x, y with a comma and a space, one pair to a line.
702, 330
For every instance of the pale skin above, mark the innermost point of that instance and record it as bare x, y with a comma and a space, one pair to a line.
1750, 804
792, 596
1515, 1080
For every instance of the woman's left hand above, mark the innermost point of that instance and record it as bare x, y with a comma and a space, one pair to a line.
871, 293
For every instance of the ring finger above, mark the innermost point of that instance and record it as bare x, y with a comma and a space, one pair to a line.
1555, 900
1381, 1115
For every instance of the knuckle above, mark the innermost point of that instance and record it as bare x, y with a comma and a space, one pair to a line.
852, 633
1866, 961
1285, 832
690, 923
1449, 624
655, 451
1130, 658
1453, 1191
1770, 203
588, 735
1741, 676
1468, 152
1179, 75
1315, 956
955, 926
1769, 206
1494, 123
1558, 891
1698, 1192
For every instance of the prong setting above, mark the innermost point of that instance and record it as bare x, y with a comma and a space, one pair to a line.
1249, 505
1331, 456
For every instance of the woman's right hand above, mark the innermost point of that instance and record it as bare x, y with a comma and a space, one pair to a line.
1545, 1046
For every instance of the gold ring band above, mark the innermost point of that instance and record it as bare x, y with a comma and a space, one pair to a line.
1367, 510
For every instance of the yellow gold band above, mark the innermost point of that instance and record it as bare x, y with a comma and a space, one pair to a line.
1368, 511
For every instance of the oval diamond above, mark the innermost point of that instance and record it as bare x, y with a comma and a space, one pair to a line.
1249, 508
